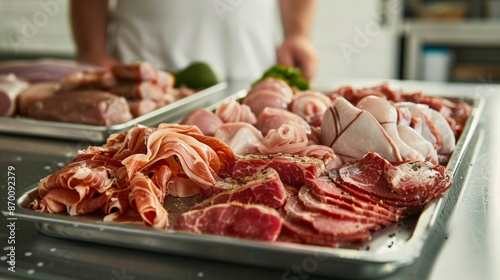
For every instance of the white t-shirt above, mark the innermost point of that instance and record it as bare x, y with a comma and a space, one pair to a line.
236, 37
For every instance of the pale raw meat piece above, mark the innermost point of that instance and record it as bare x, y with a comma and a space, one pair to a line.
232, 111
87, 80
262, 99
10, 88
447, 135
418, 142
429, 130
310, 105
276, 85
141, 106
141, 90
352, 133
86, 107
42, 70
142, 71
204, 119
385, 113
34, 93
242, 138
288, 138
182, 187
273, 118
292, 139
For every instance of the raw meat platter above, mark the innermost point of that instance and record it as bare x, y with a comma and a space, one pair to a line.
98, 134
392, 247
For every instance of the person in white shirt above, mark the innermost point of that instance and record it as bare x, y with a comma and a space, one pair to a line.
236, 37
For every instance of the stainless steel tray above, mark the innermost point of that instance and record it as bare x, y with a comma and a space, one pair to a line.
390, 249
99, 134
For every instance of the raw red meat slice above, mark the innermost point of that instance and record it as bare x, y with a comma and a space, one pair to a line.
339, 209
328, 191
304, 226
263, 188
254, 222
407, 185
293, 170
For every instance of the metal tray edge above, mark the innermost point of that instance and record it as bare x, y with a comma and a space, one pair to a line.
91, 133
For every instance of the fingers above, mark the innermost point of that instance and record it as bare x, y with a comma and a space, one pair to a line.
308, 64
285, 55
300, 54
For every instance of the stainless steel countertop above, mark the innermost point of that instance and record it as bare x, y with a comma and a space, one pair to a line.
469, 250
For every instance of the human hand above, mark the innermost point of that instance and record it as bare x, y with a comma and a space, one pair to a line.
299, 52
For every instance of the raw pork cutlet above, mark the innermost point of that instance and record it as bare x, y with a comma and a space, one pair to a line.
301, 225
407, 186
85, 107
293, 170
253, 222
264, 188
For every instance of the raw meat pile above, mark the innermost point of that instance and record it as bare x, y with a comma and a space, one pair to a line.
303, 167
93, 96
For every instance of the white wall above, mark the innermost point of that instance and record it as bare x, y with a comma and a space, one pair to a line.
354, 25
41, 26
35, 26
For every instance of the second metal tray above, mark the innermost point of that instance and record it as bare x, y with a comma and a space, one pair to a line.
99, 134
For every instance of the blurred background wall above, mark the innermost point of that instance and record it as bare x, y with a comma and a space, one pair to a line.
446, 40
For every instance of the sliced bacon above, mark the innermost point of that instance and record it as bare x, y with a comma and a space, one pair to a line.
85, 177
144, 197
184, 155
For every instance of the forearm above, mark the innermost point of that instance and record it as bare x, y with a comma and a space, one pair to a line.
297, 17
89, 19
